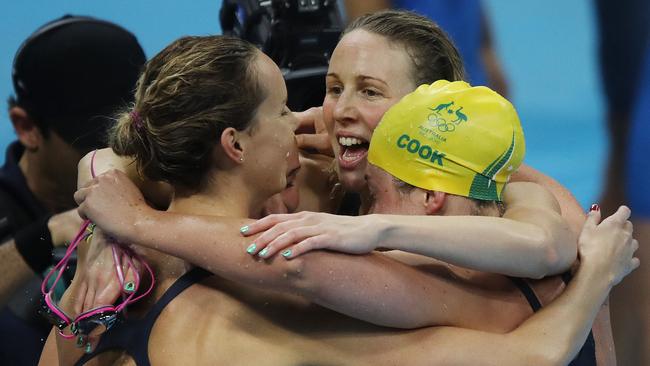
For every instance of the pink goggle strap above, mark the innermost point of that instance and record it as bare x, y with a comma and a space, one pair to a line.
118, 252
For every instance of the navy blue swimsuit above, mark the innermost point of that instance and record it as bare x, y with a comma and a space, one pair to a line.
132, 336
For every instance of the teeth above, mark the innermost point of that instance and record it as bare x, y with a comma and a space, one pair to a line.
349, 141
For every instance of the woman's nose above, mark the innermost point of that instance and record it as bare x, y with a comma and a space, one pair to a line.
345, 110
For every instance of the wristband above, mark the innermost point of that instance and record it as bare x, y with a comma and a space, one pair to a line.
34, 243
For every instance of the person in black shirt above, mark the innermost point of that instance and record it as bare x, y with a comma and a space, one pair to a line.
68, 76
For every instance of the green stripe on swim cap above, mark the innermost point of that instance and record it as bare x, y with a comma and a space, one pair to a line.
504, 159
483, 186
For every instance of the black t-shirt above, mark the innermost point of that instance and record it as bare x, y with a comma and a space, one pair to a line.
18, 206
22, 330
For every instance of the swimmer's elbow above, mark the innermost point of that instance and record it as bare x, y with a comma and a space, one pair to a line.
553, 249
301, 276
294, 275
558, 251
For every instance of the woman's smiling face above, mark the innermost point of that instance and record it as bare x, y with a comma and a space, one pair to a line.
367, 75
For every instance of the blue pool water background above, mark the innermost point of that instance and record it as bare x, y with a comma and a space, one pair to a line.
547, 48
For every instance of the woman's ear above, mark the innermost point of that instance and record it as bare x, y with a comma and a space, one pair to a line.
26, 129
231, 145
435, 202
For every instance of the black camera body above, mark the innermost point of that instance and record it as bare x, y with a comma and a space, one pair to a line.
299, 35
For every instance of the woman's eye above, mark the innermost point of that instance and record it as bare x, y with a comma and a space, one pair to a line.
371, 93
335, 90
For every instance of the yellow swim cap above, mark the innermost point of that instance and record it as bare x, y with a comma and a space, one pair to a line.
450, 137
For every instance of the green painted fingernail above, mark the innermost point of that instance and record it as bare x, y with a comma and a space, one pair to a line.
251, 248
89, 348
244, 229
286, 253
129, 286
264, 252
80, 342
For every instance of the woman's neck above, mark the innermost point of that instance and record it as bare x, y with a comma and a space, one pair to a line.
223, 196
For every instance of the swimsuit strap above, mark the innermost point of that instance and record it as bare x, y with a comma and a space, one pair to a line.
132, 335
587, 354
190, 277
525, 289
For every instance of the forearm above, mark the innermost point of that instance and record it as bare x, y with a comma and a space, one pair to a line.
344, 283
488, 244
15, 271
65, 350
562, 326
552, 336
383, 291
213, 243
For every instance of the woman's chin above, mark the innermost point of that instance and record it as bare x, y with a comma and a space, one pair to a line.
353, 180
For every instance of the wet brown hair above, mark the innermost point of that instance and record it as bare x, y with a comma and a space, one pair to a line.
187, 95
433, 54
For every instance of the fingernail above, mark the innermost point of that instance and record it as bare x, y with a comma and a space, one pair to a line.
286, 253
251, 248
264, 252
88, 348
129, 286
80, 342
594, 207
244, 229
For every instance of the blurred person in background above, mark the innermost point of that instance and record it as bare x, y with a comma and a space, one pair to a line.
68, 77
467, 25
624, 32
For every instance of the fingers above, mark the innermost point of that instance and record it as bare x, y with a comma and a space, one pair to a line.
620, 216
593, 219
82, 211
288, 238
279, 229
78, 301
628, 227
309, 120
266, 223
307, 245
80, 195
319, 142
89, 299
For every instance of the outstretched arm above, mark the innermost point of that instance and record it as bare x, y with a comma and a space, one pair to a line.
531, 240
348, 284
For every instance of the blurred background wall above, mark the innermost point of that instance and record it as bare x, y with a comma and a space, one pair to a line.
547, 49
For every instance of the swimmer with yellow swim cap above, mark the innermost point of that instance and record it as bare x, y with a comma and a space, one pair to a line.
442, 155
451, 137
